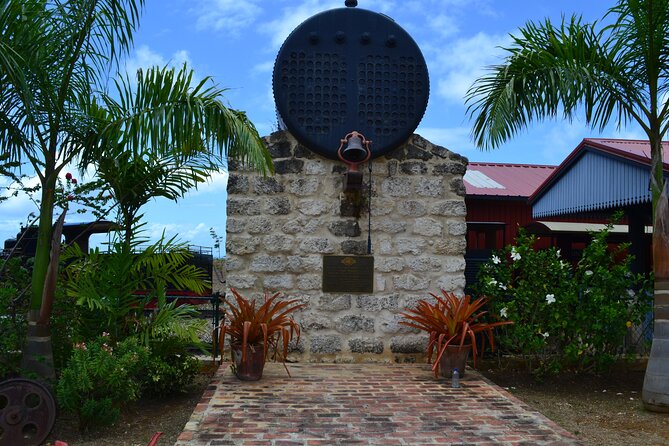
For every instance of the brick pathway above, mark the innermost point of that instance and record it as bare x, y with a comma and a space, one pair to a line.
363, 404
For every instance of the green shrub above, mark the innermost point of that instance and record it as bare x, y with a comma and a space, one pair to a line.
14, 304
566, 317
100, 378
170, 368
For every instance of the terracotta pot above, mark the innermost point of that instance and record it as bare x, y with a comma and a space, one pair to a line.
455, 357
252, 367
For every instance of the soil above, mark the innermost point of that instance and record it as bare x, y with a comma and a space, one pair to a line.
600, 410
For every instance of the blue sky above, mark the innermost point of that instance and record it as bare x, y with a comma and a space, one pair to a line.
236, 43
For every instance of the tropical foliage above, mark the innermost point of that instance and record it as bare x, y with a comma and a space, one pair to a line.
269, 325
100, 378
55, 63
567, 316
451, 320
112, 290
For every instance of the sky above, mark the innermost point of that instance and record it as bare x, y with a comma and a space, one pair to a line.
235, 42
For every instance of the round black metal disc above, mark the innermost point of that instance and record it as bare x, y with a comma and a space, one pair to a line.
350, 69
27, 412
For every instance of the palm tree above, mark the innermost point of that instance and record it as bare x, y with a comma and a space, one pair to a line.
55, 59
616, 73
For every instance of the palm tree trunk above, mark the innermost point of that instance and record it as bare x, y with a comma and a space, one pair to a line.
655, 394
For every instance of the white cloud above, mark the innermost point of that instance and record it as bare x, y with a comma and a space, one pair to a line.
444, 25
229, 16
144, 57
456, 139
217, 183
455, 67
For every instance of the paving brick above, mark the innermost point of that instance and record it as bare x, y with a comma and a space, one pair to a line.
364, 404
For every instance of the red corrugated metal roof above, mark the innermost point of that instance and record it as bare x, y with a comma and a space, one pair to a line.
505, 180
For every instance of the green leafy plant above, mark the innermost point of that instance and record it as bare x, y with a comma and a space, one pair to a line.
269, 325
170, 368
14, 303
451, 320
105, 286
567, 316
100, 378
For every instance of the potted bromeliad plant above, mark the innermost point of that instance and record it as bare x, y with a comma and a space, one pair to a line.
258, 331
452, 324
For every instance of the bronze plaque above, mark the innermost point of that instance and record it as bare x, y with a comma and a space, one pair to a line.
348, 274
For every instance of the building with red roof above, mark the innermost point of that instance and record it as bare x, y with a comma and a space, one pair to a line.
562, 203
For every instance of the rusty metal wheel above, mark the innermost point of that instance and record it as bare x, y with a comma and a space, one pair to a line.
27, 412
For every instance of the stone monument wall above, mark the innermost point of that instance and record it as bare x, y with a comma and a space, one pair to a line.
280, 227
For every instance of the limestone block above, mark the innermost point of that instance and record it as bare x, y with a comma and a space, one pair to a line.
452, 283
412, 208
449, 208
457, 228
377, 303
413, 168
237, 184
317, 245
302, 225
354, 323
458, 187
390, 324
278, 243
385, 245
396, 187
313, 207
267, 264
382, 206
410, 282
260, 224
279, 147
315, 167
380, 284
279, 282
290, 165
301, 264
234, 264
389, 226
309, 282
453, 264
413, 246
429, 187
278, 206
408, 344
388, 264
267, 186
241, 245
366, 345
242, 281
244, 206
344, 228
315, 322
235, 225
354, 247
428, 227
334, 302
325, 344
423, 264
450, 168
304, 186
302, 152
450, 246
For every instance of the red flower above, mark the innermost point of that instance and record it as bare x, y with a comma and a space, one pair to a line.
68, 176
74, 181
70, 197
